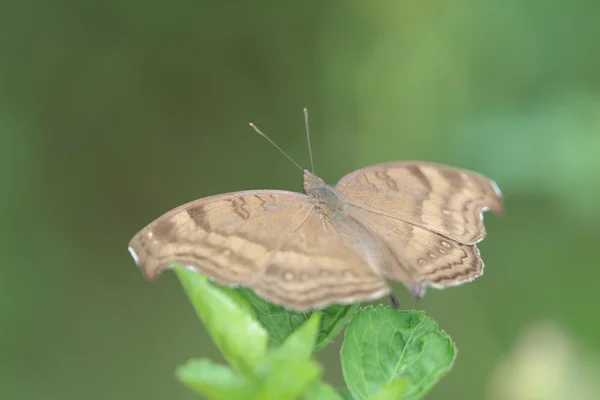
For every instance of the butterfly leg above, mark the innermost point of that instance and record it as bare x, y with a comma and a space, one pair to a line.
417, 291
394, 300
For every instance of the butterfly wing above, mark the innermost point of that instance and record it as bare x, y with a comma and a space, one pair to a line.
446, 200
272, 241
417, 257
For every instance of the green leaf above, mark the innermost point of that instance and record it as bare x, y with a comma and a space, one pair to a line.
280, 323
391, 391
289, 370
214, 381
346, 395
384, 344
240, 337
321, 391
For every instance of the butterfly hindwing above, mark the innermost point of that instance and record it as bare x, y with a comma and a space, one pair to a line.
420, 258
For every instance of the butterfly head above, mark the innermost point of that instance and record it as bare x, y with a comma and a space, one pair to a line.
327, 197
312, 182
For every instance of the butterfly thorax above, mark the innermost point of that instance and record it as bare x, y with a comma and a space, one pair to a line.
328, 200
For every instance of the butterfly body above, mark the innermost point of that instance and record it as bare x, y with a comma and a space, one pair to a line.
330, 204
414, 222
327, 199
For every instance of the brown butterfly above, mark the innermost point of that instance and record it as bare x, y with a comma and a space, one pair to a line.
410, 221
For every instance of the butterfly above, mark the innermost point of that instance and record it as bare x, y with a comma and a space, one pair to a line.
410, 221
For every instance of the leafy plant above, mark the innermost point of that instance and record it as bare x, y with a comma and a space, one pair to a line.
387, 354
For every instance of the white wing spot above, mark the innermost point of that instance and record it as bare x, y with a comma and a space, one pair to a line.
445, 244
288, 276
422, 262
446, 212
348, 274
432, 255
134, 255
496, 188
441, 251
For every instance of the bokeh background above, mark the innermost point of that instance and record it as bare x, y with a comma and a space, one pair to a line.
113, 112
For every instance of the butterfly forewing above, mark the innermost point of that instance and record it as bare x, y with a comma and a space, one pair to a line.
436, 197
228, 237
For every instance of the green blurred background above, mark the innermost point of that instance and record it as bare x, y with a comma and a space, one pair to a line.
113, 112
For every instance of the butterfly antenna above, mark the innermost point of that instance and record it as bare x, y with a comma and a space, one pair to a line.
277, 147
312, 164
